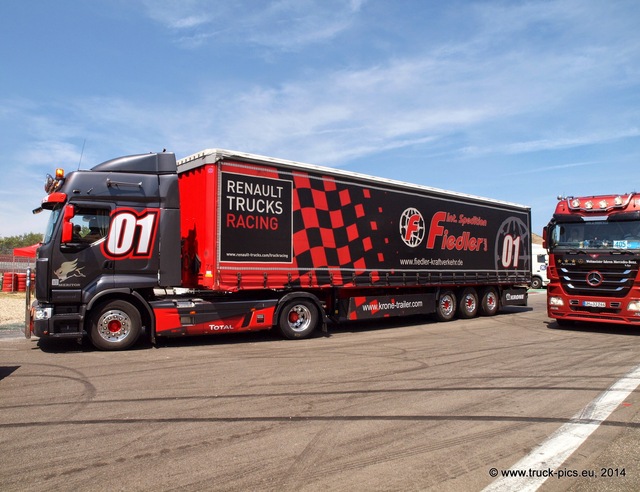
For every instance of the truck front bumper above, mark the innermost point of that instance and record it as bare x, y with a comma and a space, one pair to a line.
593, 309
47, 323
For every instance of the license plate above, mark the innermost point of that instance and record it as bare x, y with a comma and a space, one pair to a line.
597, 304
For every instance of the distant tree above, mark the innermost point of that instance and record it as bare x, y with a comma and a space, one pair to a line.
8, 243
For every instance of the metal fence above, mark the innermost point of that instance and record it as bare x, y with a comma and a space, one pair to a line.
17, 264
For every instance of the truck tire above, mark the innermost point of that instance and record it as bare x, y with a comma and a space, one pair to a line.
490, 302
446, 308
298, 319
536, 283
115, 325
468, 304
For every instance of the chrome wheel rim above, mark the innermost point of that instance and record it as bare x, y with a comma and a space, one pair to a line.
446, 305
299, 318
470, 303
114, 325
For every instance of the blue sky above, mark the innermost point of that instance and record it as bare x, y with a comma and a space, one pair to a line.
518, 101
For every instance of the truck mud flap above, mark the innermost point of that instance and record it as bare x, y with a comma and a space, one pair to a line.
516, 296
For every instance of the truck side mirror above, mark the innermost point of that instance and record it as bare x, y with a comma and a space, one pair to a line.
67, 226
544, 238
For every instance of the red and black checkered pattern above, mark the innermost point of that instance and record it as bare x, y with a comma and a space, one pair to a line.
335, 231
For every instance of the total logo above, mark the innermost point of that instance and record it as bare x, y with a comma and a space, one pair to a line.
215, 327
412, 227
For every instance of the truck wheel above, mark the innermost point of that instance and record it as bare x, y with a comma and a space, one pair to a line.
490, 302
536, 283
115, 325
468, 305
446, 308
298, 319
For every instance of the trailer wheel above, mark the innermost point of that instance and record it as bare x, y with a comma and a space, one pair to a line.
115, 325
298, 319
446, 308
490, 302
468, 305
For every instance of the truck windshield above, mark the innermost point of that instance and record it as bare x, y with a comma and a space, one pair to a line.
596, 234
51, 225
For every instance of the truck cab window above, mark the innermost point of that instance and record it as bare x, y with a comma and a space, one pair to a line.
90, 225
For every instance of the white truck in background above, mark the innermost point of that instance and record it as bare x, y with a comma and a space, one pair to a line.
539, 264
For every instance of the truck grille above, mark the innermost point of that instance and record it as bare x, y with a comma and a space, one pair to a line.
587, 280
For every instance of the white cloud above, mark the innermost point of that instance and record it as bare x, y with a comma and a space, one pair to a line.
182, 14
578, 138
283, 24
401, 102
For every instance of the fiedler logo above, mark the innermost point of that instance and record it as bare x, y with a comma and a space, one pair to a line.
412, 227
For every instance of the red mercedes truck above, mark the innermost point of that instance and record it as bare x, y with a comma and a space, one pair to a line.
225, 241
594, 250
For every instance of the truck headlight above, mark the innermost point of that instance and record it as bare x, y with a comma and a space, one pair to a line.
555, 301
42, 313
633, 305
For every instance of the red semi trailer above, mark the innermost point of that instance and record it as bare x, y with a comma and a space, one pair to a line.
594, 253
226, 241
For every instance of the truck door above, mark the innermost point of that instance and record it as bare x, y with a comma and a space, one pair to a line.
78, 265
131, 244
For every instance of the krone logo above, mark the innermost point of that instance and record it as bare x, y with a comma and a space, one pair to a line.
412, 227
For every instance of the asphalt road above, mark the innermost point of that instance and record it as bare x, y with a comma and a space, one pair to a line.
418, 406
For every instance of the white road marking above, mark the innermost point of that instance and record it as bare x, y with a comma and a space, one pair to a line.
562, 443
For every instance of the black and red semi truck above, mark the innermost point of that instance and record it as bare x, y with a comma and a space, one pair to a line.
225, 241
